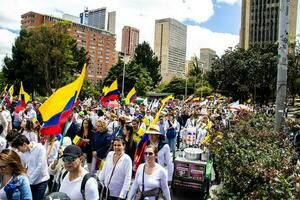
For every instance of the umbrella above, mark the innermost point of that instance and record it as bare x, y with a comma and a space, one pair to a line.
113, 104
240, 107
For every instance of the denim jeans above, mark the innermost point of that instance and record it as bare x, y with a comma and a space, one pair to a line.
172, 144
38, 190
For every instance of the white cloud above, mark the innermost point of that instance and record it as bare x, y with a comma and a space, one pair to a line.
6, 40
137, 13
199, 37
229, 1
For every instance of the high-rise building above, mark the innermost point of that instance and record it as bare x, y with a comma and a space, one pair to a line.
193, 62
130, 40
206, 58
170, 47
260, 20
99, 44
111, 22
99, 18
71, 18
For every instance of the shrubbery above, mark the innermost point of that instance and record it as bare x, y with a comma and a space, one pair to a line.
256, 163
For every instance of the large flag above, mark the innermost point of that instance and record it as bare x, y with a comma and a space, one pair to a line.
131, 96
24, 97
4, 91
112, 93
58, 107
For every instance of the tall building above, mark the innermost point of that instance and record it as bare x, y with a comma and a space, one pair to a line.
206, 57
130, 40
260, 19
99, 18
111, 22
170, 47
190, 64
71, 18
99, 44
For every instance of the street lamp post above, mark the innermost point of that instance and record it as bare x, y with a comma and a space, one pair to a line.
123, 81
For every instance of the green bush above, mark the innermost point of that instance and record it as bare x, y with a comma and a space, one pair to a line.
256, 163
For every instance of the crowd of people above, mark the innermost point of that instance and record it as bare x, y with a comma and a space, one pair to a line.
129, 150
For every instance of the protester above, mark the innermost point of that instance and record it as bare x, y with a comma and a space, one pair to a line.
71, 183
172, 128
29, 113
14, 182
86, 133
27, 130
151, 179
163, 155
130, 143
34, 159
117, 171
101, 142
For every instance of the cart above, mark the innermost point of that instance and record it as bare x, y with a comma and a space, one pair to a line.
192, 175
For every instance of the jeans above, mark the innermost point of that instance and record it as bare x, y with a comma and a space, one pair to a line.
38, 190
172, 144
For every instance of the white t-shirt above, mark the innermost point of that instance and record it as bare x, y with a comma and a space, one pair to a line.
3, 193
72, 188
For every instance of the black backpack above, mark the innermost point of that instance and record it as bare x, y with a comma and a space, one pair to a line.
102, 189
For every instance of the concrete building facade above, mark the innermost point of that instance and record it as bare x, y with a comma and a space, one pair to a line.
130, 40
260, 19
99, 44
170, 47
206, 58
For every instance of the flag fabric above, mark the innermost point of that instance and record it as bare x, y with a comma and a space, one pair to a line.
78, 141
23, 99
58, 107
112, 93
145, 102
131, 97
4, 91
9, 96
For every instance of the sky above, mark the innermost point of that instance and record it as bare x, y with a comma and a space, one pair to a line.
211, 24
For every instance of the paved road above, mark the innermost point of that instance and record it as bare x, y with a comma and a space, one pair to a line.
186, 195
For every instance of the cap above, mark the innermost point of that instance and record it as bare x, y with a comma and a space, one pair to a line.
72, 150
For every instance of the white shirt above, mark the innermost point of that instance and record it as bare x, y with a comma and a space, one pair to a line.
112, 125
72, 188
121, 179
51, 151
31, 136
156, 180
30, 115
35, 162
165, 160
2, 192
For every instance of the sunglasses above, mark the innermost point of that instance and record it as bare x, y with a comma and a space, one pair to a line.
2, 167
148, 154
69, 158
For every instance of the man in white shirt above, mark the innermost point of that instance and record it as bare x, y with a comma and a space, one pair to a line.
34, 159
29, 113
71, 183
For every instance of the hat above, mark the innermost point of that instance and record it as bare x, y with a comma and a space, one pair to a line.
153, 130
57, 196
81, 113
72, 150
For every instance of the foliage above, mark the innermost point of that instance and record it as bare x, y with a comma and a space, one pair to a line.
294, 72
43, 58
88, 90
135, 76
145, 57
177, 86
254, 162
205, 90
246, 73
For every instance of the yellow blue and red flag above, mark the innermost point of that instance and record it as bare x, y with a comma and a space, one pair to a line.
131, 96
9, 96
58, 107
24, 97
112, 93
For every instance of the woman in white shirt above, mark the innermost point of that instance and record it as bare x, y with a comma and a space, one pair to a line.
150, 179
27, 130
117, 171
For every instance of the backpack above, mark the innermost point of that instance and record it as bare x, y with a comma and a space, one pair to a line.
171, 133
102, 189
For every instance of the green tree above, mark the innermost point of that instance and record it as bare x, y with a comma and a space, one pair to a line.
294, 72
177, 86
88, 90
145, 57
44, 58
135, 76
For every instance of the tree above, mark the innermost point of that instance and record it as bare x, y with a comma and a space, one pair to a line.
44, 58
177, 86
135, 76
294, 72
88, 90
145, 57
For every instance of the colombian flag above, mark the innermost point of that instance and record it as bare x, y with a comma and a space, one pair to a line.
3, 94
131, 96
58, 107
23, 99
112, 93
